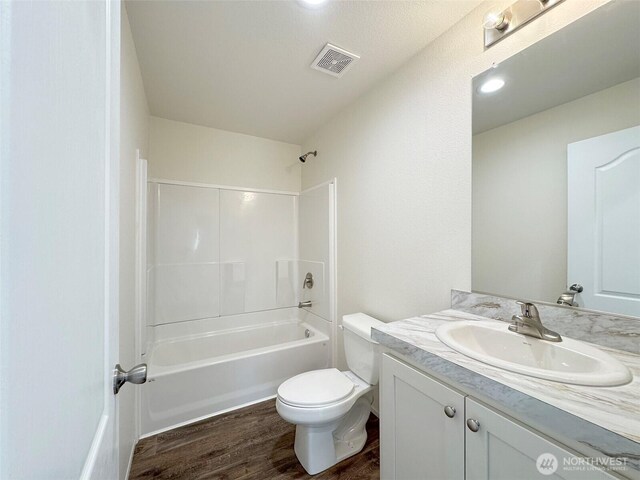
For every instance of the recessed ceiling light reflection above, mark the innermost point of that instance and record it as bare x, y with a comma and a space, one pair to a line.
312, 3
491, 85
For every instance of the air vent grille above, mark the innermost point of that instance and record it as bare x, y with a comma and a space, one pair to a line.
334, 60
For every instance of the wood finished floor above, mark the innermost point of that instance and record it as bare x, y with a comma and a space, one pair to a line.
250, 443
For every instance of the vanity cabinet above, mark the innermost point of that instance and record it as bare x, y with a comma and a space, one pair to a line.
501, 448
418, 438
431, 431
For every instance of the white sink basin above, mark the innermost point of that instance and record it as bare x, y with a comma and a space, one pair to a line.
569, 361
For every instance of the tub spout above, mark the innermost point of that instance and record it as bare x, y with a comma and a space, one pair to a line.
306, 304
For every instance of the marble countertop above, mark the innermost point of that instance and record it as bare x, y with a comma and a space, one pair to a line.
604, 419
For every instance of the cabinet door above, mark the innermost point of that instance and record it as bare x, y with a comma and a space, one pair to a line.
501, 449
418, 439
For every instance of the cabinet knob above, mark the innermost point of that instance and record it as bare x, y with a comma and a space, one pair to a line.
473, 425
449, 411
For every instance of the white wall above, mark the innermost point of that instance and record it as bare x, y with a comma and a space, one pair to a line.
402, 157
134, 134
192, 153
520, 192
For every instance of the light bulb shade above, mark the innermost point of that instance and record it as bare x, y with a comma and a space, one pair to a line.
498, 21
498, 24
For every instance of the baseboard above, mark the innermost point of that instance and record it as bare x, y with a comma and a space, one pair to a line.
96, 458
133, 449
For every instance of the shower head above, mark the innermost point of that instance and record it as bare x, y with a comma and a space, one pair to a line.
303, 158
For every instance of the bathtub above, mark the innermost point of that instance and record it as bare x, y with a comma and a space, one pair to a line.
206, 367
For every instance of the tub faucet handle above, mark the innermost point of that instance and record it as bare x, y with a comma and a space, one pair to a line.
308, 281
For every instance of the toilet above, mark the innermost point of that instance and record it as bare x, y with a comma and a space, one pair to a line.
330, 408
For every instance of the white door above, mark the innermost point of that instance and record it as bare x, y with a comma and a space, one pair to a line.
422, 425
604, 221
58, 238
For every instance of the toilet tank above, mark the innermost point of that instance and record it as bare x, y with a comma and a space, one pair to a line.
360, 350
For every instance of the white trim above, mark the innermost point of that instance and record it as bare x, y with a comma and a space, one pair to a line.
141, 277
320, 185
333, 268
94, 451
112, 323
130, 463
103, 457
221, 187
140, 250
5, 56
204, 417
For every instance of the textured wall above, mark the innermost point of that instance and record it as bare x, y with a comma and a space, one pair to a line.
402, 156
192, 153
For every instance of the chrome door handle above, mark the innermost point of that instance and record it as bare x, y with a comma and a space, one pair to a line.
473, 425
450, 411
137, 374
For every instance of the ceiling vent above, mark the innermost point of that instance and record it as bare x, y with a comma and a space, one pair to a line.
334, 60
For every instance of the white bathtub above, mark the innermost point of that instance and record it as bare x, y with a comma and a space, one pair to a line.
202, 368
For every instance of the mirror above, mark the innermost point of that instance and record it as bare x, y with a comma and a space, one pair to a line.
556, 167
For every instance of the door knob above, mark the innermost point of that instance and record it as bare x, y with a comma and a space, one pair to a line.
137, 374
473, 425
449, 411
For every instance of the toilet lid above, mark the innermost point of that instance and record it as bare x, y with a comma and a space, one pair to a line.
316, 388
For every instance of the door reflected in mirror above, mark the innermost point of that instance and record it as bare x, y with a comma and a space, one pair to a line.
556, 167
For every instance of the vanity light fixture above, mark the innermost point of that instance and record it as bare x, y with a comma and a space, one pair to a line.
491, 85
498, 25
492, 20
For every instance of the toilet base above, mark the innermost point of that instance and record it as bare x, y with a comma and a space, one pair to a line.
320, 447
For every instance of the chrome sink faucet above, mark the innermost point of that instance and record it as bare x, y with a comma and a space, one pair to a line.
529, 323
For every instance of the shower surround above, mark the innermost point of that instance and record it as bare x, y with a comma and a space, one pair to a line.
220, 327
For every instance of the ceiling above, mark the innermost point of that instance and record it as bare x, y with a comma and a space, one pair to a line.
243, 66
565, 66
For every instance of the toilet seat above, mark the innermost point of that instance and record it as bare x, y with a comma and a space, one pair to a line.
315, 415
317, 388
